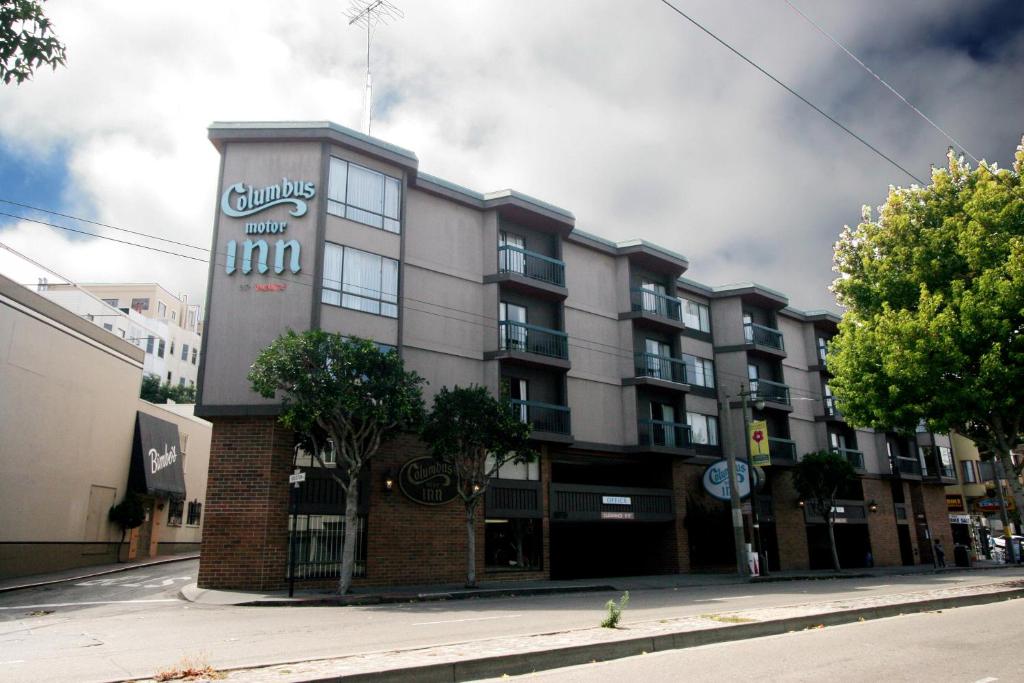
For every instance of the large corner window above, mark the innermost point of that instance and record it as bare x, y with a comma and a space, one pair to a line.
365, 196
696, 316
360, 280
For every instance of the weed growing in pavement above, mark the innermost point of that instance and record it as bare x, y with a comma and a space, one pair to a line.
615, 611
189, 669
725, 619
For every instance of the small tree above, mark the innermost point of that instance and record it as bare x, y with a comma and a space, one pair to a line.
477, 434
819, 478
26, 40
347, 390
128, 514
154, 392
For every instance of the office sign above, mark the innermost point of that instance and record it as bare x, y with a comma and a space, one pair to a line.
716, 479
616, 500
428, 481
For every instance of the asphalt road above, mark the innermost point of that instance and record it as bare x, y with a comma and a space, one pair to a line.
131, 625
967, 644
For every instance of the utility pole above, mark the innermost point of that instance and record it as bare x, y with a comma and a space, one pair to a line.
738, 537
754, 523
368, 14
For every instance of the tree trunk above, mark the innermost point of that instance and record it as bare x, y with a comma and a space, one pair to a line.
832, 543
348, 549
471, 544
120, 544
1014, 482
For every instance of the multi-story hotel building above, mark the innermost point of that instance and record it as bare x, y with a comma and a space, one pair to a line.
629, 373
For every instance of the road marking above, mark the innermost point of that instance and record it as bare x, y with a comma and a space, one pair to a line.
456, 621
986, 680
871, 588
734, 597
13, 661
97, 602
166, 582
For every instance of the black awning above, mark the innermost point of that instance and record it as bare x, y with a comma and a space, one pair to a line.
156, 468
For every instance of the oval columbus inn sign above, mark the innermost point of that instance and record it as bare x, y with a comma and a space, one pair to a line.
428, 481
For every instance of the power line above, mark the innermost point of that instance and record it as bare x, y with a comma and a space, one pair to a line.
880, 79
487, 323
102, 225
790, 90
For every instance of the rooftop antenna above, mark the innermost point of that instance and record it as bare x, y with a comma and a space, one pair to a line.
370, 14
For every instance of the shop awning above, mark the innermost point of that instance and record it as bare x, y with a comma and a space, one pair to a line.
156, 467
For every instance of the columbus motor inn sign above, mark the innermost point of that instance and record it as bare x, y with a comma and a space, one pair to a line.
244, 201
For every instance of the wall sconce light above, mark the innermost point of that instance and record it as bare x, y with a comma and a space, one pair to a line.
873, 506
476, 488
800, 503
389, 481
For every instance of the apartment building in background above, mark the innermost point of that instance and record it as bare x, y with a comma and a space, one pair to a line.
629, 373
165, 326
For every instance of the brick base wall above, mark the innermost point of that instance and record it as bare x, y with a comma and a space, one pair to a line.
882, 528
790, 526
931, 500
684, 479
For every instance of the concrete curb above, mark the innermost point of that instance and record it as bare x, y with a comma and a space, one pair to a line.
385, 598
877, 575
115, 570
528, 662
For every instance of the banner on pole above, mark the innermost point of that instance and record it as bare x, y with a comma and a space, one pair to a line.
760, 454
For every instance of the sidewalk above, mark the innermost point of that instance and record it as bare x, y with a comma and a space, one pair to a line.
37, 580
512, 655
427, 593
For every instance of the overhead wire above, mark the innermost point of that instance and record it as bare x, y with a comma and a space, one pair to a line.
790, 90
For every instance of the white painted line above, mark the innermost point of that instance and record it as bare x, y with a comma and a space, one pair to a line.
456, 621
734, 597
871, 588
97, 602
986, 680
13, 661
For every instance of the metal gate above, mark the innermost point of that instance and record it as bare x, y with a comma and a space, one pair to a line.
316, 530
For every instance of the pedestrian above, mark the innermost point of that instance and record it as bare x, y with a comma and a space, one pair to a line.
940, 554
869, 559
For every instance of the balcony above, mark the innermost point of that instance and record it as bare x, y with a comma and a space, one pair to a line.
855, 458
654, 309
530, 272
776, 394
830, 411
658, 371
659, 436
907, 467
766, 340
782, 451
549, 422
531, 345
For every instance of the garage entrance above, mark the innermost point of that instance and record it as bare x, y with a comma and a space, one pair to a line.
587, 550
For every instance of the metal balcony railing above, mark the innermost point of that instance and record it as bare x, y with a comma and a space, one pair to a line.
855, 458
766, 390
649, 301
782, 450
830, 407
947, 472
661, 433
908, 465
660, 367
543, 417
514, 336
531, 264
763, 336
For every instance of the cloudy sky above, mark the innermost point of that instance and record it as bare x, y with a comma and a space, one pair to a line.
621, 112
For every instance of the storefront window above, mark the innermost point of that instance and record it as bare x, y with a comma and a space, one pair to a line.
175, 511
512, 544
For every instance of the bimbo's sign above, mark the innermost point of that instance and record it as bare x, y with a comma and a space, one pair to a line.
158, 460
428, 481
241, 200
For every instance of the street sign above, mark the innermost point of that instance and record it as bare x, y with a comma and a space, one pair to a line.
297, 478
760, 451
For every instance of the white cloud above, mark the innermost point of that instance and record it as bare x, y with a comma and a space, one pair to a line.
621, 112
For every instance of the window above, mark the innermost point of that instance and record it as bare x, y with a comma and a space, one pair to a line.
703, 429
946, 466
511, 260
696, 316
109, 327
195, 513
175, 510
140, 304
364, 196
161, 309
160, 349
195, 355
168, 376
184, 351
700, 372
517, 391
360, 280
149, 345
172, 348
173, 315
822, 349
748, 328
522, 471
512, 334
181, 382
512, 544
970, 476
111, 302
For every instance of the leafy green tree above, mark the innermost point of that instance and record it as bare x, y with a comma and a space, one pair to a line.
934, 296
128, 514
347, 390
27, 40
819, 478
477, 433
154, 392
